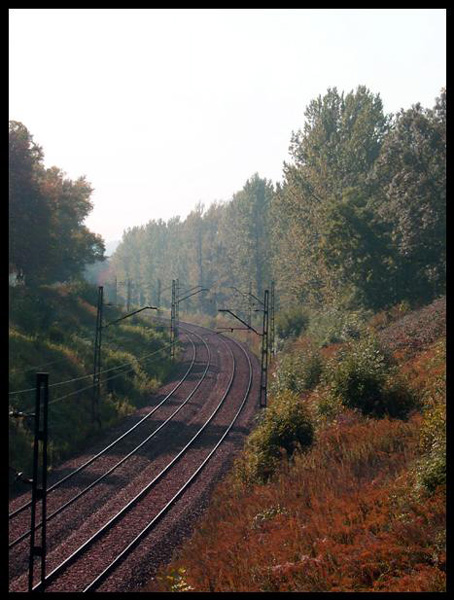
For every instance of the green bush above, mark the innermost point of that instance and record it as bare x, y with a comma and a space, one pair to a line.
334, 325
364, 379
327, 407
298, 372
119, 381
285, 427
291, 323
29, 311
56, 333
20, 456
53, 326
431, 468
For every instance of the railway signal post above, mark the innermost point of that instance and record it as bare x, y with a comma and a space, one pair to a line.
272, 329
176, 304
172, 322
128, 296
265, 352
97, 359
177, 307
265, 344
97, 350
39, 493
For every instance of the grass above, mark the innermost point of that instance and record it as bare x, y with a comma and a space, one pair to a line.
338, 519
52, 329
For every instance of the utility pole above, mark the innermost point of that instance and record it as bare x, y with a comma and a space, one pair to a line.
39, 493
172, 322
159, 293
272, 330
140, 295
134, 291
265, 344
97, 351
250, 311
97, 360
115, 299
175, 313
264, 353
128, 296
177, 307
249, 296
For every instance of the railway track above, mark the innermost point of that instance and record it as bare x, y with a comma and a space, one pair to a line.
129, 430
134, 490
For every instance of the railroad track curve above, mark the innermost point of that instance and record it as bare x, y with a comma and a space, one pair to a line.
60, 480
92, 473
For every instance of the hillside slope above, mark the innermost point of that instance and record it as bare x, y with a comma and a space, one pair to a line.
52, 328
363, 509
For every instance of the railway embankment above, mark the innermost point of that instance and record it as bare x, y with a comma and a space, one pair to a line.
361, 506
52, 329
123, 505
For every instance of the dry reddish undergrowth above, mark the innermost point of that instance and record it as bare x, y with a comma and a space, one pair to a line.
346, 516
342, 518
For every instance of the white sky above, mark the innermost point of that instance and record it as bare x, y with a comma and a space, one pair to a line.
163, 108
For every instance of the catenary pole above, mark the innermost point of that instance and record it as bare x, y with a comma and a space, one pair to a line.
272, 328
264, 352
97, 359
39, 492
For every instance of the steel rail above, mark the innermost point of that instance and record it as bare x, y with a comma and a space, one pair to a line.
120, 514
112, 444
95, 583
68, 503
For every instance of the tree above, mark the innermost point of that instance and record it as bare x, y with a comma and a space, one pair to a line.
48, 240
73, 245
409, 182
356, 250
336, 150
29, 211
246, 231
357, 221
339, 143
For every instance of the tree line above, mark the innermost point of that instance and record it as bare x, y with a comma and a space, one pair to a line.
358, 219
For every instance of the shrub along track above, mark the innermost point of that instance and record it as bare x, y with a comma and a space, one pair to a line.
212, 378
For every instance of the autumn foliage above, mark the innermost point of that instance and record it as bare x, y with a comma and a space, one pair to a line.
363, 509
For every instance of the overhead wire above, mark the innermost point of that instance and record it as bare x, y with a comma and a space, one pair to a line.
113, 376
58, 383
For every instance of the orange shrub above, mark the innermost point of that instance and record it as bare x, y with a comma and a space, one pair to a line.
342, 518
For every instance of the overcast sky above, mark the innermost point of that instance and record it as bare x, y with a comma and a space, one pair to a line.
163, 108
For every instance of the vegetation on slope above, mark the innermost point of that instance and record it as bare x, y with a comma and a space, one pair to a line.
362, 508
52, 329
357, 402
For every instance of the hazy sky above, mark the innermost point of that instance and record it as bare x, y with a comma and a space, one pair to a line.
163, 108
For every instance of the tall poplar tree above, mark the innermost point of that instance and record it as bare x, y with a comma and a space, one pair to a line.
410, 196
335, 151
246, 231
